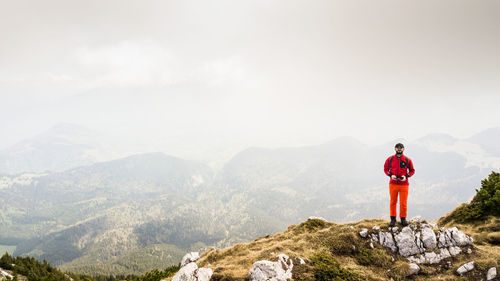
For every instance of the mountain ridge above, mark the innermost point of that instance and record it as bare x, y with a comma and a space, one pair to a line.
142, 197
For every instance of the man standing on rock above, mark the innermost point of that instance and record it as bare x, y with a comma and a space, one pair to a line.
399, 168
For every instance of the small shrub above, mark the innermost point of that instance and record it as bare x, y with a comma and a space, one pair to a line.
327, 268
493, 238
311, 224
156, 275
375, 257
399, 270
302, 272
343, 243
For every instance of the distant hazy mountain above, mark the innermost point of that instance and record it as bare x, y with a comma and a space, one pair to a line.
65, 198
99, 216
481, 150
488, 140
344, 180
437, 140
91, 217
60, 148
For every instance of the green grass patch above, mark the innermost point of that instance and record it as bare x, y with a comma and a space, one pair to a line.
341, 243
303, 272
373, 257
325, 268
310, 225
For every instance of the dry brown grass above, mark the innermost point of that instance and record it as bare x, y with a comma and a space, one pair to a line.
298, 241
313, 237
236, 261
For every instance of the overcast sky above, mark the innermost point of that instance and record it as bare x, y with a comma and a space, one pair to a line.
250, 73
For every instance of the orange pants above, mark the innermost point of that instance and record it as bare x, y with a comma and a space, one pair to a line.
394, 189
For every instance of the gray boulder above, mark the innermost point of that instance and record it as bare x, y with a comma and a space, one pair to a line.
460, 238
444, 253
429, 238
190, 257
203, 274
432, 258
186, 273
492, 273
444, 238
453, 237
419, 243
189, 271
414, 269
363, 233
414, 259
5, 274
454, 250
416, 219
272, 271
405, 241
386, 240
465, 268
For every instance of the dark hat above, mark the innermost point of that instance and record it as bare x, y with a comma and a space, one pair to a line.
399, 145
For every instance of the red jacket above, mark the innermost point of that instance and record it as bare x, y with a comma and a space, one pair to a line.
399, 168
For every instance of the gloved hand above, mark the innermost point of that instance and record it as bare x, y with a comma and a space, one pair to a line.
393, 177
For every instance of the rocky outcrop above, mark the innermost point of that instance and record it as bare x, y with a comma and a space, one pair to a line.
419, 242
189, 270
190, 257
453, 237
272, 271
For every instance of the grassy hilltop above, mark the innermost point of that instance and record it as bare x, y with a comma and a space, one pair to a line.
336, 251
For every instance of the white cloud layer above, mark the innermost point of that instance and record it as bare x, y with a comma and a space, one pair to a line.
242, 73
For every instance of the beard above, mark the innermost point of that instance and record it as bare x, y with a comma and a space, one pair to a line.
399, 153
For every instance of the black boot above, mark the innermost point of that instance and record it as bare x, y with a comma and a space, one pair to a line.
404, 222
393, 222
